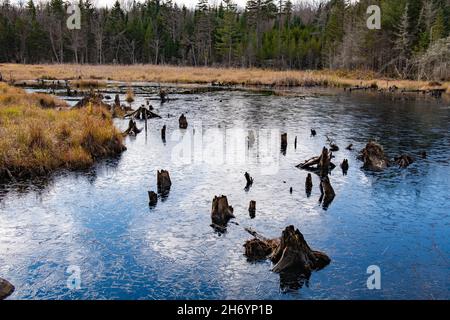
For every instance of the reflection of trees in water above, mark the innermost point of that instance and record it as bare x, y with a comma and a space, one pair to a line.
40, 184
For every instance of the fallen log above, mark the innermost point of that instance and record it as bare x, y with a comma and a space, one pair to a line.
290, 252
163, 181
373, 157
6, 289
221, 212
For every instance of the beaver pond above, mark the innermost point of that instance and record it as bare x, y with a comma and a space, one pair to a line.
97, 225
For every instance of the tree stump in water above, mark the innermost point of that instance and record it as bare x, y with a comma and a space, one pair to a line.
117, 101
320, 165
313, 132
221, 212
163, 181
252, 208
308, 184
403, 160
284, 141
6, 289
132, 128
183, 122
249, 180
163, 133
344, 166
327, 192
350, 146
142, 113
152, 198
288, 253
373, 157
295, 143
163, 95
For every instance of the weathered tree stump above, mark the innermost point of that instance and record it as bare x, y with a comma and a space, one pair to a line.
142, 113
163, 133
344, 166
327, 192
163, 95
221, 212
320, 165
295, 143
6, 289
334, 147
350, 146
313, 132
403, 160
163, 181
117, 101
252, 208
284, 141
152, 198
183, 122
373, 157
132, 128
308, 184
288, 253
249, 180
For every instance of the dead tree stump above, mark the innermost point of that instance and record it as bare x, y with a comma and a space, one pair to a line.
326, 191
403, 160
350, 146
252, 208
153, 198
163, 133
183, 122
313, 132
249, 180
373, 157
221, 212
163, 181
344, 166
284, 141
288, 253
295, 143
163, 95
132, 128
320, 165
308, 184
6, 289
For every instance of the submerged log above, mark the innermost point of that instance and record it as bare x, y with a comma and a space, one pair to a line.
221, 212
6, 289
288, 253
163, 181
320, 165
152, 198
183, 121
403, 160
132, 128
373, 157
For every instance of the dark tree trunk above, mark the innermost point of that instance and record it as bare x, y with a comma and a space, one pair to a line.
221, 212
163, 181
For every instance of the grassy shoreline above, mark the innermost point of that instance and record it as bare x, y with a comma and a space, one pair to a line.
40, 134
204, 75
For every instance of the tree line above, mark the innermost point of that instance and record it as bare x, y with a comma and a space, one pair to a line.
413, 40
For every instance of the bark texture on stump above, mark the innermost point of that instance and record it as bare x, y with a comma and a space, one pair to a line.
373, 157
288, 253
152, 198
183, 122
163, 181
6, 289
221, 212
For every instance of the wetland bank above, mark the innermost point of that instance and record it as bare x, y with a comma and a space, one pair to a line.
99, 219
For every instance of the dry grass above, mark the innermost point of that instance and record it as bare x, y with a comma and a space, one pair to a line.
36, 140
201, 75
